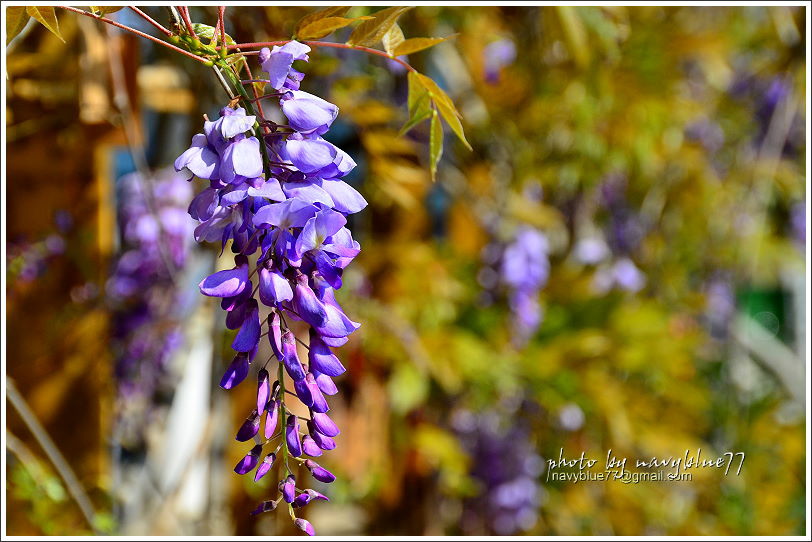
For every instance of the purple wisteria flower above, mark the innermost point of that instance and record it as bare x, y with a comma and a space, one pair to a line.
278, 196
498, 54
525, 269
506, 466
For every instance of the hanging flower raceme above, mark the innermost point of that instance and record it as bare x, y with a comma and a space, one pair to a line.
146, 303
278, 196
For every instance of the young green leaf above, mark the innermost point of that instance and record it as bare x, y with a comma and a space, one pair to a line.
322, 27
205, 31
417, 92
321, 14
371, 32
16, 19
392, 39
445, 106
413, 45
435, 143
422, 112
47, 17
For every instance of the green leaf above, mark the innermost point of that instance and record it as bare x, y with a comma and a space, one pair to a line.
445, 106
392, 39
435, 143
322, 27
417, 117
104, 10
416, 91
46, 16
371, 32
321, 14
412, 45
419, 103
205, 31
16, 19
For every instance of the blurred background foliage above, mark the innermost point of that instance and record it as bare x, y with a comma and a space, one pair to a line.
658, 151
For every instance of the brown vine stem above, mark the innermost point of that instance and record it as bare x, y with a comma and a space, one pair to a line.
136, 32
331, 44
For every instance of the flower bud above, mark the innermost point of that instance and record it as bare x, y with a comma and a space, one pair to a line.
319, 473
236, 372
305, 526
271, 419
263, 390
315, 495
264, 506
266, 465
291, 358
250, 427
288, 488
292, 436
248, 462
301, 500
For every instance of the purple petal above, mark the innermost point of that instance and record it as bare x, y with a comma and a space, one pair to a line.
321, 358
324, 424
326, 384
346, 199
309, 446
270, 189
322, 441
273, 287
310, 155
225, 283
248, 336
307, 305
308, 113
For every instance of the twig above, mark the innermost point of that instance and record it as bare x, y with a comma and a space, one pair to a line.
151, 21
221, 23
184, 14
53, 453
136, 32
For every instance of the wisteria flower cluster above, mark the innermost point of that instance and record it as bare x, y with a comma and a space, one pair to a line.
506, 467
276, 192
147, 304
